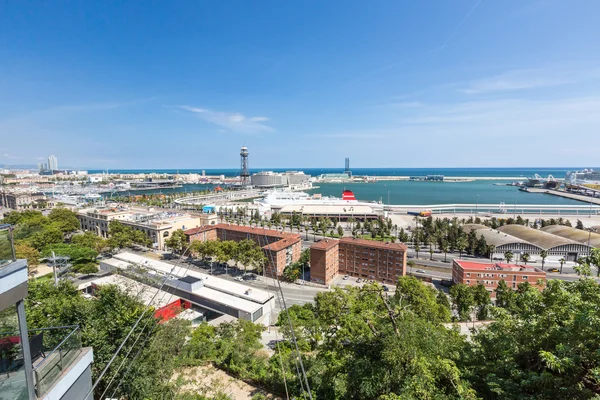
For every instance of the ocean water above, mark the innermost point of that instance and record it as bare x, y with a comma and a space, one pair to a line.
449, 172
418, 193
407, 192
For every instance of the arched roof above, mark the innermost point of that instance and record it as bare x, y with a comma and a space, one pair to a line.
541, 239
575, 234
494, 236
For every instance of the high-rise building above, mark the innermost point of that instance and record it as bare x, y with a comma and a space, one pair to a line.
52, 163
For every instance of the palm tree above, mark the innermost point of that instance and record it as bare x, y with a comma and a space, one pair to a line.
445, 249
508, 256
461, 245
417, 249
543, 255
525, 257
562, 261
491, 249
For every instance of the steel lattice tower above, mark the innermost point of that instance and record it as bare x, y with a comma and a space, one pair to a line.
244, 172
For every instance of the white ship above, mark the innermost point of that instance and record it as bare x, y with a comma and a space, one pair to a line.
275, 200
583, 177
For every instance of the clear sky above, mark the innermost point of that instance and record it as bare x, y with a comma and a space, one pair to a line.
184, 84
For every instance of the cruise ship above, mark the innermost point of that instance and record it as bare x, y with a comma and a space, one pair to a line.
276, 200
583, 177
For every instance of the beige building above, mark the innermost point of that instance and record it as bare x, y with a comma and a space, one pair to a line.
157, 225
21, 201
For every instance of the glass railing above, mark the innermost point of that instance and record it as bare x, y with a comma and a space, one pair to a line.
59, 348
12, 367
7, 250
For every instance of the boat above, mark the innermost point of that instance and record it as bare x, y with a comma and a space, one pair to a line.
274, 200
585, 176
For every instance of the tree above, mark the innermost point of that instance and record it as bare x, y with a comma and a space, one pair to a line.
48, 235
579, 225
417, 249
22, 250
177, 241
63, 219
562, 262
340, 231
422, 300
525, 257
91, 240
508, 256
445, 247
594, 259
543, 256
481, 299
505, 296
461, 245
463, 301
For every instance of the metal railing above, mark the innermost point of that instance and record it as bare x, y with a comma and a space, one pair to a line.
48, 370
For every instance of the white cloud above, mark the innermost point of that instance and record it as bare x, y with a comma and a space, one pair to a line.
233, 121
519, 80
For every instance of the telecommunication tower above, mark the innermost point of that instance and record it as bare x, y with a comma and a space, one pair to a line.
244, 172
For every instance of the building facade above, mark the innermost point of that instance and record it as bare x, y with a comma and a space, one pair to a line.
21, 201
280, 248
490, 275
368, 259
158, 226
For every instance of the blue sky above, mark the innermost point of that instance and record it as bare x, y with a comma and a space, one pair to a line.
302, 83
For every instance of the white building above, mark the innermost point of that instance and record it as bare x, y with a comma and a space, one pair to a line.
52, 163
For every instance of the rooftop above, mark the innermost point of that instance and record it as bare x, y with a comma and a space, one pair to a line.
287, 239
374, 243
493, 236
221, 285
578, 235
477, 266
541, 239
325, 244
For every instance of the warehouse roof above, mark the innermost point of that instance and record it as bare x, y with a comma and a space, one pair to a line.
494, 236
575, 234
541, 239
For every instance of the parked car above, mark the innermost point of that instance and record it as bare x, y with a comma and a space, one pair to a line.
238, 278
553, 270
358, 280
386, 289
420, 271
345, 277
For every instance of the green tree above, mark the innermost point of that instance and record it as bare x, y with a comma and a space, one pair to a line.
481, 299
422, 300
525, 257
90, 240
508, 256
505, 296
463, 301
177, 241
461, 245
48, 235
63, 219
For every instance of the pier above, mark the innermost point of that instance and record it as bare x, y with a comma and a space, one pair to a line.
573, 196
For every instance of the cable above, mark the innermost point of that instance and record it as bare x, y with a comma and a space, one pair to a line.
129, 334
291, 328
142, 330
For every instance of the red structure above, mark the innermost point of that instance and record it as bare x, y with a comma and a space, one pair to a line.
171, 310
489, 275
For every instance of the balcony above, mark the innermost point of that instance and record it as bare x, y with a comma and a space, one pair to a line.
54, 351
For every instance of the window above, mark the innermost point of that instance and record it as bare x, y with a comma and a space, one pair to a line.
525, 277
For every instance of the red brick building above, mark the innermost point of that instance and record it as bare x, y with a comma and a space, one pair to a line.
324, 261
474, 273
368, 259
280, 248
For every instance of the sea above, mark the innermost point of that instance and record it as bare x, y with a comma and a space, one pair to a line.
407, 192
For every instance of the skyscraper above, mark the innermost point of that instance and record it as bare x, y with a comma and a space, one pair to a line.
52, 163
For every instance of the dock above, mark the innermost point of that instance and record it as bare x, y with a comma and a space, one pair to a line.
586, 199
